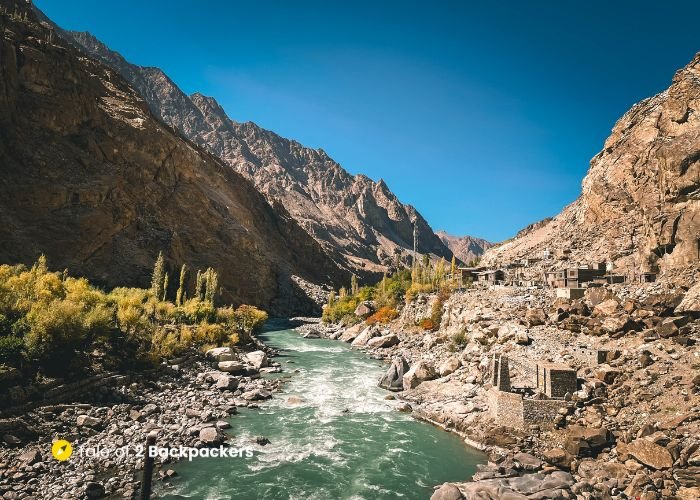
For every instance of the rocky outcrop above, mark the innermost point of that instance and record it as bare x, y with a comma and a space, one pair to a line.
465, 248
640, 202
91, 179
360, 222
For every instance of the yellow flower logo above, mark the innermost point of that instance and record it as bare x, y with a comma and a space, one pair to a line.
61, 450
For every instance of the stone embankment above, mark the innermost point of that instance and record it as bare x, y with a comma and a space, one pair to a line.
628, 428
186, 402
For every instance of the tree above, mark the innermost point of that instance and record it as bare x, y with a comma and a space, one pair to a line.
453, 271
331, 298
342, 293
212, 285
158, 276
353, 285
199, 286
165, 287
180, 296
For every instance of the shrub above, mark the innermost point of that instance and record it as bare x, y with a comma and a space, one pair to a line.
211, 333
249, 319
426, 324
342, 307
460, 338
436, 312
11, 349
383, 315
194, 311
417, 288
55, 329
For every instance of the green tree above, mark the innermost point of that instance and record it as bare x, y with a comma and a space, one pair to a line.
158, 277
180, 296
212, 284
199, 286
331, 298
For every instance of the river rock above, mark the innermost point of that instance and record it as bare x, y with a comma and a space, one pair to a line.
227, 383
364, 309
650, 454
219, 354
450, 365
364, 337
447, 491
393, 378
257, 358
384, 341
87, 421
351, 333
606, 308
211, 435
231, 366
419, 373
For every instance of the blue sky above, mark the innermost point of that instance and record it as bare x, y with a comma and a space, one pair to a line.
483, 115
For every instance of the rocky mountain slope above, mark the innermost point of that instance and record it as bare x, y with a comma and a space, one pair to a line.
465, 248
93, 180
640, 202
361, 223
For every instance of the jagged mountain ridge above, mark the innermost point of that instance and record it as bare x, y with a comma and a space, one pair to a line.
361, 223
640, 201
465, 248
93, 180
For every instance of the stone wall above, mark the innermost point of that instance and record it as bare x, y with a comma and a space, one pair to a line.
507, 408
540, 411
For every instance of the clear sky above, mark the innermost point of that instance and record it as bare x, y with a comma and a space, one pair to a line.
483, 115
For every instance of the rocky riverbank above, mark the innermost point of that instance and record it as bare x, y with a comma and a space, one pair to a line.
628, 429
186, 402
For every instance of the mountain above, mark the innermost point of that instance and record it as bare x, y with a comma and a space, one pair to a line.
358, 221
640, 202
465, 248
93, 180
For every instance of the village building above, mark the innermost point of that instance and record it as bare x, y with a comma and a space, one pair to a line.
491, 277
520, 407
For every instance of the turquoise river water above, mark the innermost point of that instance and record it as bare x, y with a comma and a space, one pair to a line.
344, 440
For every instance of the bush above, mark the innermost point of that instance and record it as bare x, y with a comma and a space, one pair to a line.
417, 288
249, 319
383, 315
427, 324
460, 339
11, 349
194, 311
342, 307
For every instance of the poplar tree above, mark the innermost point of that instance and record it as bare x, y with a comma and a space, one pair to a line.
199, 286
165, 287
453, 271
158, 276
353, 285
331, 298
180, 296
212, 284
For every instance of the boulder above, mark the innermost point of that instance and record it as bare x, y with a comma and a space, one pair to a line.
596, 295
527, 462
618, 323
211, 435
30, 457
558, 457
584, 441
87, 421
257, 358
227, 383
219, 354
447, 491
606, 374
691, 301
606, 308
535, 316
256, 395
419, 373
231, 366
450, 365
522, 338
351, 333
383, 341
364, 337
364, 309
650, 454
393, 378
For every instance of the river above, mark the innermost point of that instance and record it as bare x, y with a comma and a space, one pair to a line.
343, 440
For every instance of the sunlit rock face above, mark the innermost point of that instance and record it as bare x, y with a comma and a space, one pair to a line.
94, 181
640, 202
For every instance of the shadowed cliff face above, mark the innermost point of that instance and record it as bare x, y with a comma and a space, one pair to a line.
640, 202
94, 181
359, 222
